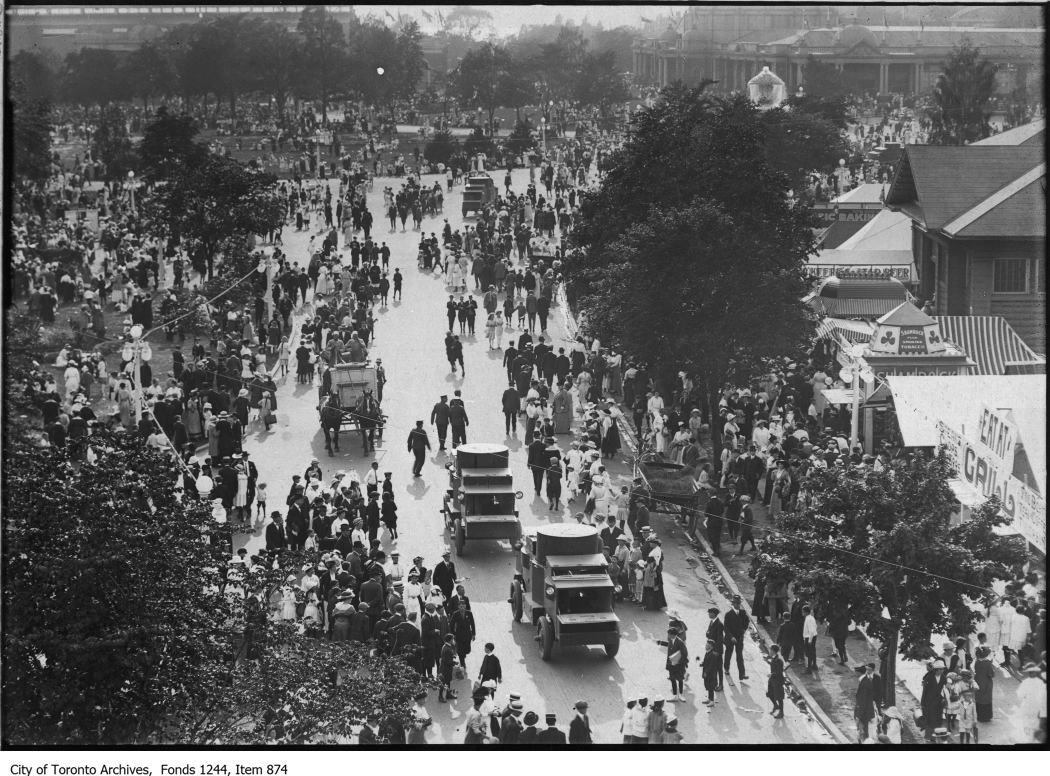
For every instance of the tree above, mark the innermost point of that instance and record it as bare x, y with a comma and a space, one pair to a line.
38, 74
798, 143
108, 593
120, 629
375, 47
516, 89
28, 121
274, 55
94, 77
111, 143
599, 83
217, 204
441, 147
324, 54
823, 79
690, 256
149, 72
168, 144
480, 77
960, 97
466, 22
885, 539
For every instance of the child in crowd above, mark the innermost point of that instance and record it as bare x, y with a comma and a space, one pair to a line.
260, 501
967, 718
389, 512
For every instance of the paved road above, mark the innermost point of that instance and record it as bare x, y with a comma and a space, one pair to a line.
410, 342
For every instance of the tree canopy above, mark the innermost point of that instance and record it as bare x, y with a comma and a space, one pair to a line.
168, 145
959, 112
690, 254
30, 128
885, 539
121, 627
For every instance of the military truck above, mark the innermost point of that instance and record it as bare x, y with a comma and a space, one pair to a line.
562, 582
479, 502
479, 193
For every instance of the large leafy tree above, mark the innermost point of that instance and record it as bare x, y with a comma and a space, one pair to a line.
274, 57
690, 255
959, 112
149, 72
324, 55
885, 539
169, 144
600, 83
37, 72
799, 142
110, 595
823, 79
119, 629
385, 64
217, 203
94, 77
27, 119
481, 76
111, 143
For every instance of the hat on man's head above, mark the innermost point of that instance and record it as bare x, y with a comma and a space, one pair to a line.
551, 719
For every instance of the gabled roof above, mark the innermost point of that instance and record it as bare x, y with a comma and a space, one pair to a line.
936, 184
1026, 134
906, 314
1017, 210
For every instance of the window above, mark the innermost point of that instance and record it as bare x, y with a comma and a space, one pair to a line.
1011, 276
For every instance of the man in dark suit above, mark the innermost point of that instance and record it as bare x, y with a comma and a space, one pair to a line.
510, 725
439, 417
490, 666
418, 444
551, 735
297, 523
276, 539
736, 623
253, 477
445, 574
511, 407
537, 461
457, 417
529, 733
869, 697
580, 726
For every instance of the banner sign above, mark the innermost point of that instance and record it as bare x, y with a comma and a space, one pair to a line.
982, 468
999, 435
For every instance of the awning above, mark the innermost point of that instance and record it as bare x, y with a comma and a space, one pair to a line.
992, 343
854, 308
838, 395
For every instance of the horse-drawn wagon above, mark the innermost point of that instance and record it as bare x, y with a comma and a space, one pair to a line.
351, 404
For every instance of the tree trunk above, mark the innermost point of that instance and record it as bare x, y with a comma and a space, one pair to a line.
889, 679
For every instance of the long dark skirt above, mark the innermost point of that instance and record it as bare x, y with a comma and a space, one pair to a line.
984, 712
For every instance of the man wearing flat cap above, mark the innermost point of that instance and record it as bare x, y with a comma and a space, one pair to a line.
869, 699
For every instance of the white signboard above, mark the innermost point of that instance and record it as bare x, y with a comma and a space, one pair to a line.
997, 432
978, 465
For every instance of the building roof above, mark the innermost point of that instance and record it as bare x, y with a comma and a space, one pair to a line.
861, 258
1016, 210
1026, 134
957, 400
936, 184
870, 193
906, 314
838, 232
888, 231
990, 341
857, 297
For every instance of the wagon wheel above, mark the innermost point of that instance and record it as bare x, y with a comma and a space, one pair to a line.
546, 638
612, 649
516, 603
461, 537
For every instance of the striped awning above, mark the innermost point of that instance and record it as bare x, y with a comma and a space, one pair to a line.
854, 308
991, 342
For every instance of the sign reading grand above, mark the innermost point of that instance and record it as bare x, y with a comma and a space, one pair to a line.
980, 467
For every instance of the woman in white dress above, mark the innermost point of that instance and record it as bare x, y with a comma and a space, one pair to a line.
240, 500
490, 330
288, 599
659, 432
498, 331
324, 281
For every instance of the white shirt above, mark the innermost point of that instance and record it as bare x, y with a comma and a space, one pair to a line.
640, 721
809, 628
372, 478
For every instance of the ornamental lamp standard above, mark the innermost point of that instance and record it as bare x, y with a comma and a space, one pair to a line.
543, 134
137, 350
268, 264
858, 371
131, 188
204, 485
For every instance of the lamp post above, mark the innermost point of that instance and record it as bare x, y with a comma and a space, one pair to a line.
268, 264
543, 134
854, 374
131, 188
137, 351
